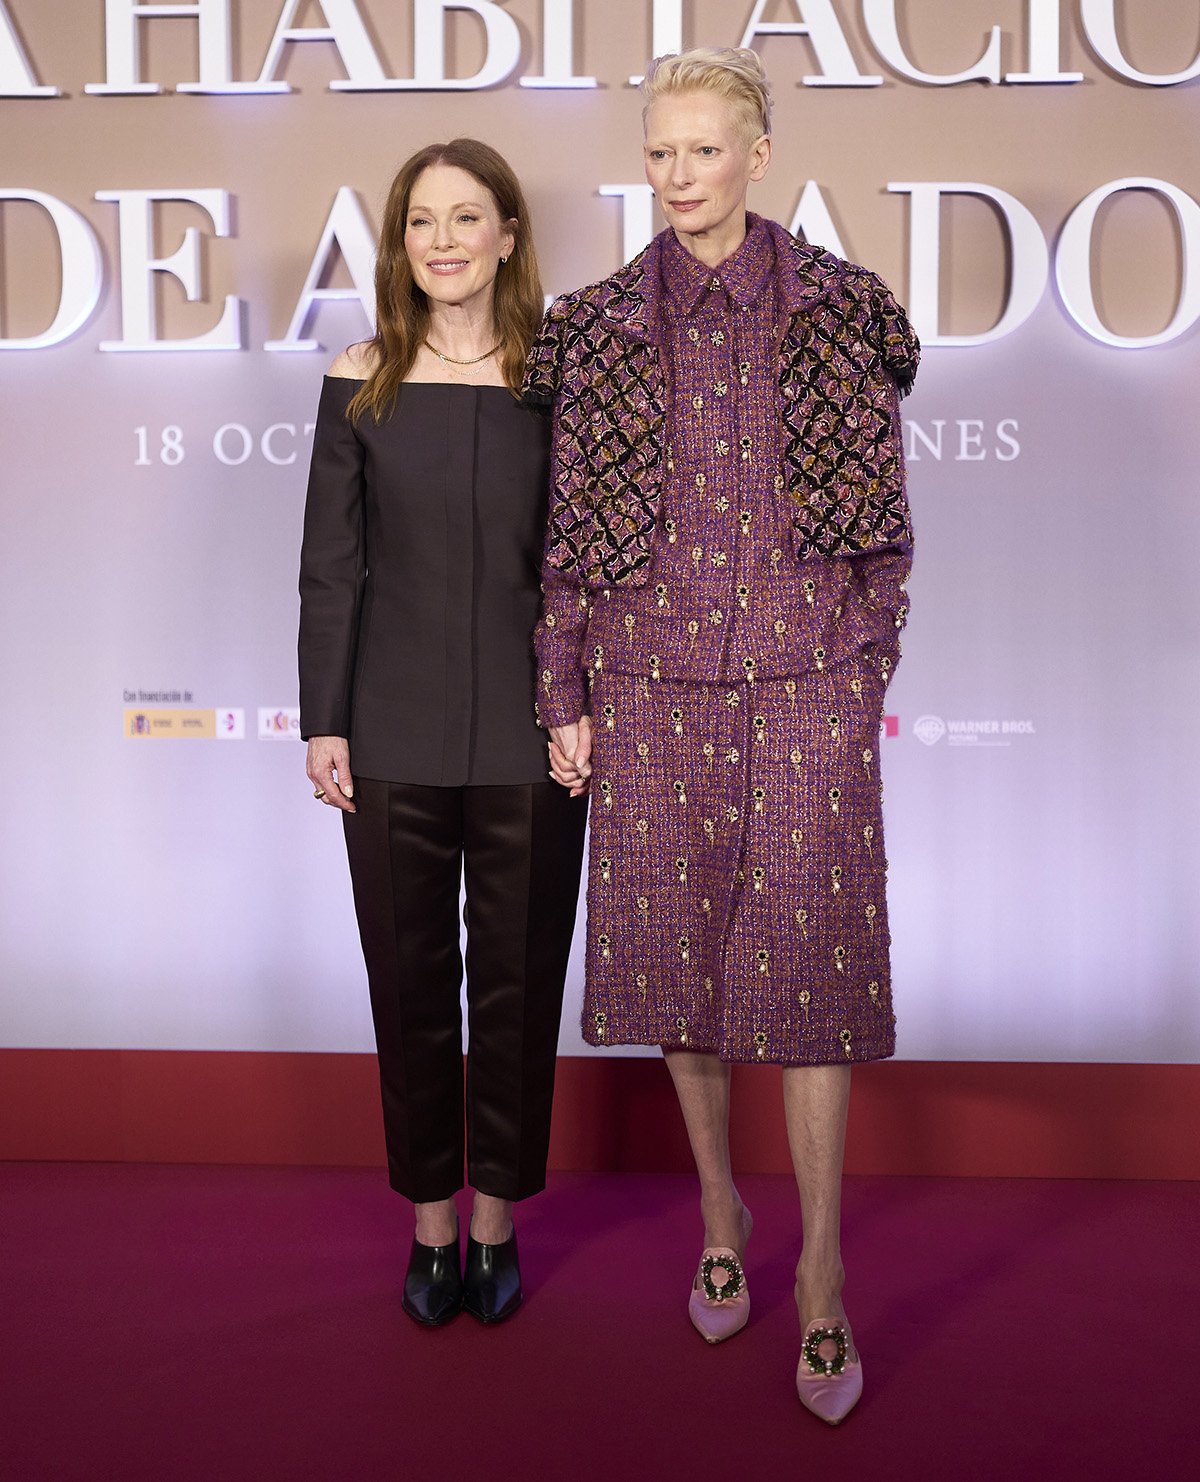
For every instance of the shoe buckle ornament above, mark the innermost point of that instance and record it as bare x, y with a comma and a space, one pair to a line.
812, 1345
734, 1277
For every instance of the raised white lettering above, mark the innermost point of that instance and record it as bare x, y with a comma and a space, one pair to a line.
1045, 46
82, 275
1099, 19
1073, 264
502, 47
348, 232
818, 21
558, 48
17, 79
122, 47
666, 32
135, 220
813, 221
637, 216
879, 17
345, 28
1030, 259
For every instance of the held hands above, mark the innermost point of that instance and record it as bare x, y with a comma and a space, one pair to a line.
328, 768
571, 755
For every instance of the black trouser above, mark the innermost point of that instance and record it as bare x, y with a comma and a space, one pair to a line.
520, 849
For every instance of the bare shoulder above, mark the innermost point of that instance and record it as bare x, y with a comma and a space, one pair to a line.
355, 363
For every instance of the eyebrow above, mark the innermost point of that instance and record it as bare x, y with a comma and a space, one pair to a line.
412, 206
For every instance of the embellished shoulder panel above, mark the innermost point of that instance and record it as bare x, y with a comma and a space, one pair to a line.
845, 366
593, 362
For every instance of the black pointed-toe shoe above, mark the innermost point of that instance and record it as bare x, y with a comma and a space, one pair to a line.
433, 1284
492, 1282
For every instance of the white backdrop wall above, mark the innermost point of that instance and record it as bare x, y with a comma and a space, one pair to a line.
186, 212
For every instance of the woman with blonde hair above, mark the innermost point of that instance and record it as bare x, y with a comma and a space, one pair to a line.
724, 591
419, 592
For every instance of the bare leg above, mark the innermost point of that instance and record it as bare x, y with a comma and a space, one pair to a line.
437, 1222
491, 1219
702, 1085
816, 1099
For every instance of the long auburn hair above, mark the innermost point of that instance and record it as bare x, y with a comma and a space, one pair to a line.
402, 309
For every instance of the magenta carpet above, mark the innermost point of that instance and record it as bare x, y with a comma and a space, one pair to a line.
226, 1323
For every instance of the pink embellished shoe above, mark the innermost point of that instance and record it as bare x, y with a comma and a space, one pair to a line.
719, 1305
828, 1381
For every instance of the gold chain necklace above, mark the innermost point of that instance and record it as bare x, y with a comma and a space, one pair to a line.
450, 360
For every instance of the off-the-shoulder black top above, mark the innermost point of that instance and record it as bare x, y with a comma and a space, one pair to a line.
419, 585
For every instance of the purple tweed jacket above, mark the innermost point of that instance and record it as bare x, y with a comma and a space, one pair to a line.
846, 354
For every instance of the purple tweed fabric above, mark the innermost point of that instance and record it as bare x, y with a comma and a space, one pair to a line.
736, 890
726, 599
736, 874
845, 355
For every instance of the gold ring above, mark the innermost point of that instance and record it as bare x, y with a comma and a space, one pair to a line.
319, 794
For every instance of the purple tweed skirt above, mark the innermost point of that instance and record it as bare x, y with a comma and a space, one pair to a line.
736, 891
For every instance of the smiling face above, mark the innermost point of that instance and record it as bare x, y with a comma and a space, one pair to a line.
454, 237
700, 163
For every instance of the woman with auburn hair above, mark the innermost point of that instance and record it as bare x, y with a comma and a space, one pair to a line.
419, 592
724, 591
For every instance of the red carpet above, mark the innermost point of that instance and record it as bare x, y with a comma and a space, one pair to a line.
227, 1323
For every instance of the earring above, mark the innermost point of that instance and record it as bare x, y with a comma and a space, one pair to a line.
504, 259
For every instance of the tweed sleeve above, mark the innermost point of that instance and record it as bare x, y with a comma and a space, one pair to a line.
898, 343
883, 575
543, 365
879, 611
558, 637
558, 641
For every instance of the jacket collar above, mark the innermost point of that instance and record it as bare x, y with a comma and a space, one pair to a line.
743, 275
804, 276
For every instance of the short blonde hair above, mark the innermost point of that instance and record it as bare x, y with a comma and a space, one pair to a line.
733, 73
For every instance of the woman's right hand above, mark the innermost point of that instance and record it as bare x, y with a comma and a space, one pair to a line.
571, 755
328, 768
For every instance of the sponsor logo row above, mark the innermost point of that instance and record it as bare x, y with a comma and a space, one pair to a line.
228, 723
931, 729
223, 723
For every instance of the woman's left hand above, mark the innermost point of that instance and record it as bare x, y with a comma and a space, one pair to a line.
571, 755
